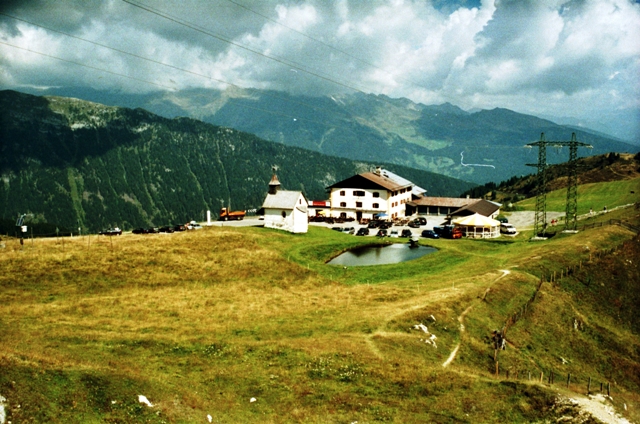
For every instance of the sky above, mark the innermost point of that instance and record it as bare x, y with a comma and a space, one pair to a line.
572, 61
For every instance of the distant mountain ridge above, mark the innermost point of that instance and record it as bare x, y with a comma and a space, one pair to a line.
82, 164
376, 128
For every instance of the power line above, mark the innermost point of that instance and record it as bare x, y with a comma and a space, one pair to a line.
88, 66
201, 30
306, 35
199, 75
322, 42
272, 112
266, 93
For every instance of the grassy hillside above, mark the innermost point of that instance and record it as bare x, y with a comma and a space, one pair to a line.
203, 322
595, 196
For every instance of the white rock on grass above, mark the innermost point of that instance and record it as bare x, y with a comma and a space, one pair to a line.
3, 414
143, 399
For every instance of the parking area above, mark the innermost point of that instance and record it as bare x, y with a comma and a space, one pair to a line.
432, 221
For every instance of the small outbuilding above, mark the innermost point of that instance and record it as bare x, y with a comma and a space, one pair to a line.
284, 209
478, 226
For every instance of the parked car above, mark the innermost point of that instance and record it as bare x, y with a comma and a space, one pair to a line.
502, 219
430, 234
179, 227
394, 233
373, 224
337, 229
422, 220
506, 228
363, 231
152, 230
193, 225
414, 223
166, 229
111, 232
385, 225
406, 233
382, 233
139, 231
448, 231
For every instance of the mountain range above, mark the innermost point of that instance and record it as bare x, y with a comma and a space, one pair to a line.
480, 146
82, 164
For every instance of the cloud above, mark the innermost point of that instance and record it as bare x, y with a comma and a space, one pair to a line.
533, 56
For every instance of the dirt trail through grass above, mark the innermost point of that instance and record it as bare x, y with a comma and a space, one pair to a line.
454, 352
431, 297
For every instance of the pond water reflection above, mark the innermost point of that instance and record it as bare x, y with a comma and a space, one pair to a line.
380, 255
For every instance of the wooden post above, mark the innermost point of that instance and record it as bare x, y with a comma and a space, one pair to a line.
497, 369
507, 374
529, 375
568, 380
541, 375
601, 387
609, 389
589, 387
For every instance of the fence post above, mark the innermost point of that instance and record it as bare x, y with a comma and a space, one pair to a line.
497, 369
589, 387
541, 375
568, 380
609, 389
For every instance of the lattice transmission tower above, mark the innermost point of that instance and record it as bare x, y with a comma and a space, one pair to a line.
571, 210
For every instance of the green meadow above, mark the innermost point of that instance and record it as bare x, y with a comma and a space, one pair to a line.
592, 196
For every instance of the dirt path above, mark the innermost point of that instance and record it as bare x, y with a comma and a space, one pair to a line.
598, 408
454, 352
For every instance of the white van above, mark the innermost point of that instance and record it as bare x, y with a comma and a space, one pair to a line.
506, 228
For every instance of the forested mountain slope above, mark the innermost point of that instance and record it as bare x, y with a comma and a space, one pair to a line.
438, 138
82, 164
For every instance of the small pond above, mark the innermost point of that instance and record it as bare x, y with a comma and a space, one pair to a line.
381, 255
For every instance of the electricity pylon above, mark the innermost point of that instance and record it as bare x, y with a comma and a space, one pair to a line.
571, 210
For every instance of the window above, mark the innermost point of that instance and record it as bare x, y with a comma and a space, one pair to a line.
358, 193
342, 193
284, 214
358, 204
376, 194
343, 204
376, 205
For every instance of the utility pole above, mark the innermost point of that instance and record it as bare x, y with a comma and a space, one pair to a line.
571, 210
